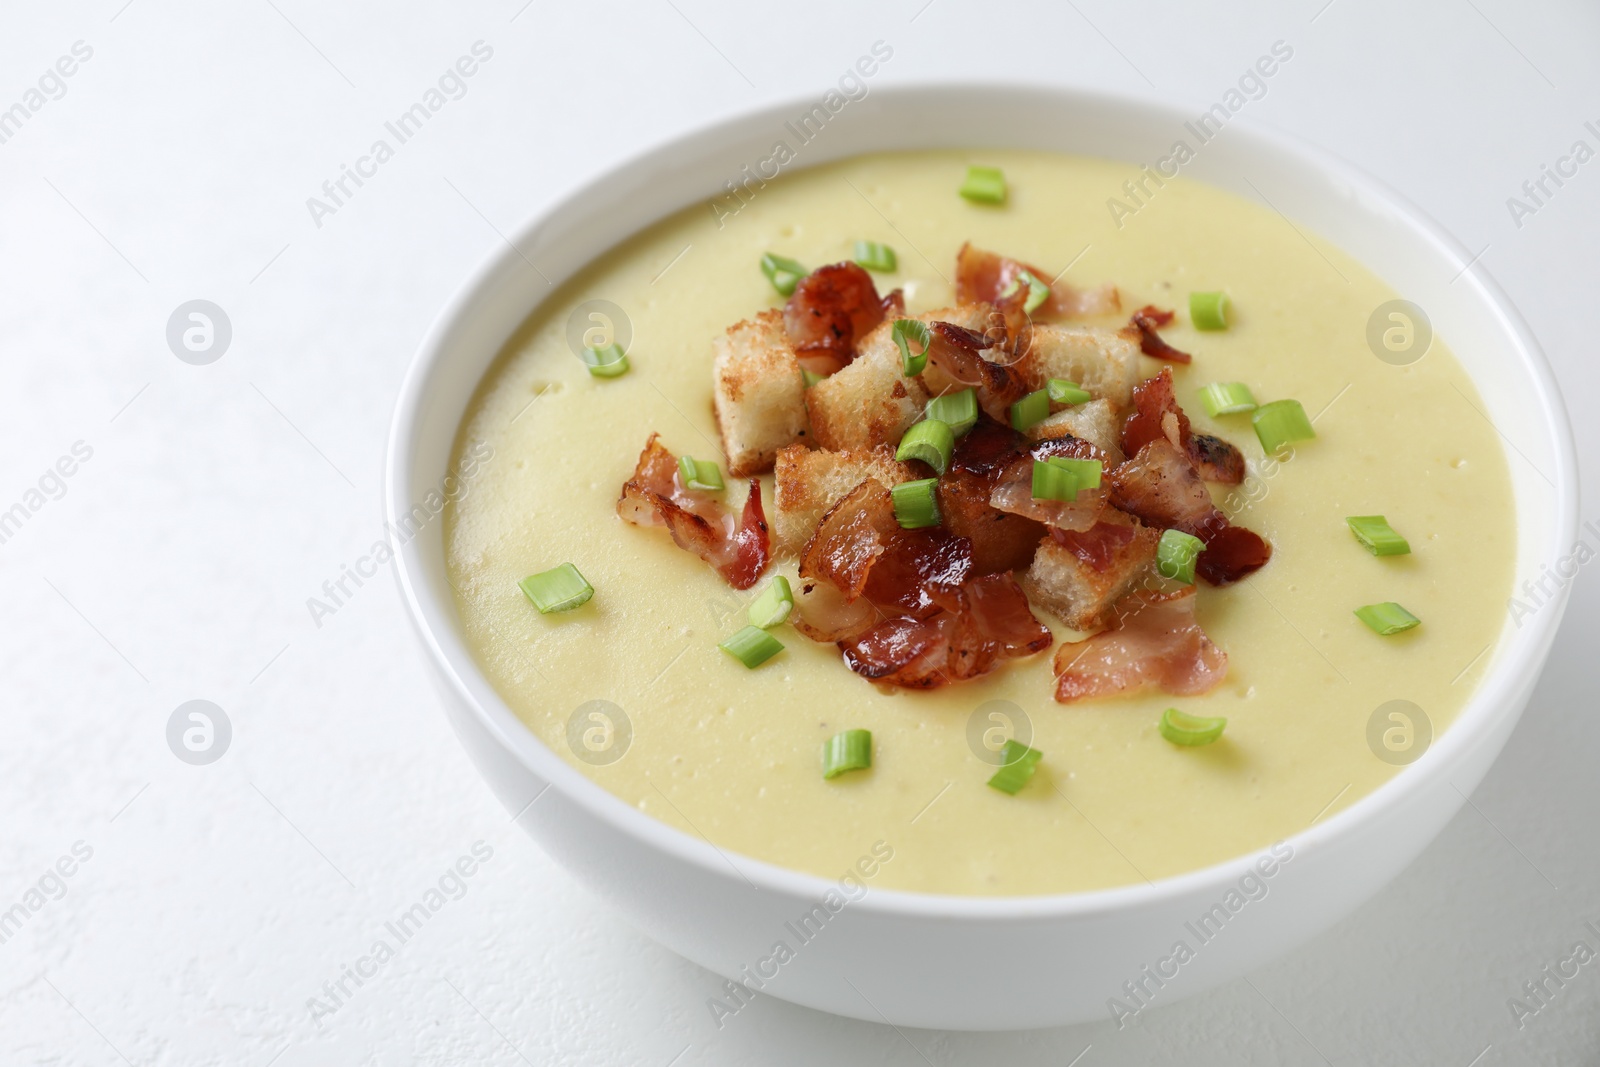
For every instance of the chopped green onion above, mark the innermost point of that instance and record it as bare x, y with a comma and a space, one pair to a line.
1087, 471
606, 361
1062, 477
1387, 618
1175, 555
751, 646
984, 185
1065, 392
1208, 311
1182, 729
1018, 763
811, 377
1281, 422
847, 751
1227, 398
782, 272
931, 441
1038, 292
773, 605
959, 411
1052, 481
559, 589
1380, 538
1035, 407
911, 365
916, 504
874, 256
700, 474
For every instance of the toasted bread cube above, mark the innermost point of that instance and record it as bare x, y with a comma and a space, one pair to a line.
809, 482
758, 393
870, 402
1095, 422
1077, 593
1103, 362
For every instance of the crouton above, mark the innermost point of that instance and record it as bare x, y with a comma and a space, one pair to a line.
1095, 422
808, 483
1075, 591
758, 393
870, 402
1103, 362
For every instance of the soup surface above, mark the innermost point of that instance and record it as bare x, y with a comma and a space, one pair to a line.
732, 754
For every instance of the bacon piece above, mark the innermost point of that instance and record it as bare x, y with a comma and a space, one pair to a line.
1145, 320
1003, 616
1157, 414
909, 653
957, 353
1154, 642
987, 448
1215, 459
850, 538
1099, 545
1013, 489
985, 276
919, 572
1161, 486
1231, 553
824, 614
833, 307
697, 521
992, 623
860, 548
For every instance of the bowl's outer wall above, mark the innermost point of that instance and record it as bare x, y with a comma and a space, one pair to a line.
945, 972
929, 961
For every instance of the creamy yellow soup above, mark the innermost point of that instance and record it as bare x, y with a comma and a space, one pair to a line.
733, 755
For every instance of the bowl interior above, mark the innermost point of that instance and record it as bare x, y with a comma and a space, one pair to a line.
1392, 238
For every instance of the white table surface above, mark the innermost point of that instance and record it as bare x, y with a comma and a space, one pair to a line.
218, 498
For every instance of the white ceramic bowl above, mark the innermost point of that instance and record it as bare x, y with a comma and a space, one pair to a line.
973, 962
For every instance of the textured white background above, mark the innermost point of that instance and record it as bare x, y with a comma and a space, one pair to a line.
219, 498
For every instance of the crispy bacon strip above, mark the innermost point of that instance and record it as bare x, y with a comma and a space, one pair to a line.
1231, 553
1154, 642
850, 538
919, 572
1158, 414
957, 352
992, 624
1013, 489
832, 308
908, 653
1216, 459
860, 549
1145, 320
656, 496
1099, 545
822, 613
1161, 486
1003, 616
1155, 414
984, 276
902, 604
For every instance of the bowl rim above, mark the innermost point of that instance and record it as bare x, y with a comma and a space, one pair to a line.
1518, 652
